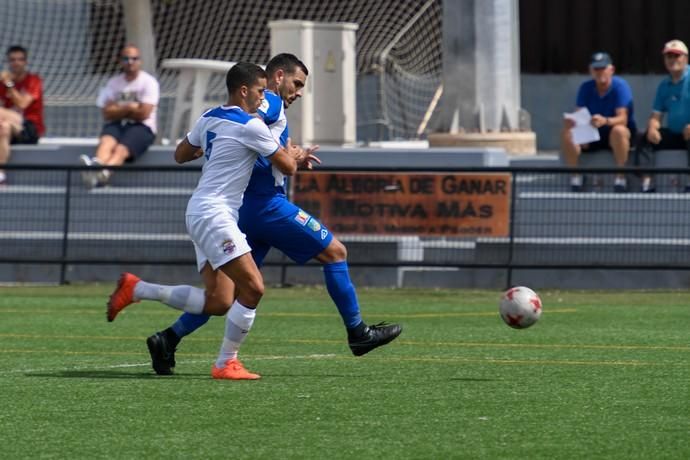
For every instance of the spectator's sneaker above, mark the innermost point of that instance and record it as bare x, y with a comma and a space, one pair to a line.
123, 295
373, 337
88, 177
162, 354
102, 177
620, 185
233, 370
577, 183
648, 185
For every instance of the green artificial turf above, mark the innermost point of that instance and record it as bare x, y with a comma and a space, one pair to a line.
602, 375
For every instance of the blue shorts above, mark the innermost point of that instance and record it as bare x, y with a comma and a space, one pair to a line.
282, 225
137, 137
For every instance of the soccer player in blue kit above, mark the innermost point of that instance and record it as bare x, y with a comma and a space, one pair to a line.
269, 219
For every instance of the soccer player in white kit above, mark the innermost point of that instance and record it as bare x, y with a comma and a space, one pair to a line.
230, 139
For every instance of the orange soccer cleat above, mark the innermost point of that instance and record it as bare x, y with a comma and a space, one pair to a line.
123, 295
233, 370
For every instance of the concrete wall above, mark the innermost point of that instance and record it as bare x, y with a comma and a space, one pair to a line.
546, 97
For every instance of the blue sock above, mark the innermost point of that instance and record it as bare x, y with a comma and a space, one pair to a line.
342, 291
188, 323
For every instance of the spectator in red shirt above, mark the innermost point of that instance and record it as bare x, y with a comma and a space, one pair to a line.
21, 114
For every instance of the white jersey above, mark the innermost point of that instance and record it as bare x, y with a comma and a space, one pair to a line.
144, 89
231, 140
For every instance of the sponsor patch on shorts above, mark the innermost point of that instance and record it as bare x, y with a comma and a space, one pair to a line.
314, 224
324, 234
228, 247
302, 217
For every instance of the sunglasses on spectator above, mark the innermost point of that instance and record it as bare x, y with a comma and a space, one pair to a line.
129, 58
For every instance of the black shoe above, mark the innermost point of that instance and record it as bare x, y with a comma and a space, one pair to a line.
373, 337
162, 355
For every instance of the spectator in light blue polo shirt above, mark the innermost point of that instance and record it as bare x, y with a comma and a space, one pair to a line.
609, 100
673, 100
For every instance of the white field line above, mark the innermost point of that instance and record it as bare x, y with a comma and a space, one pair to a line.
148, 364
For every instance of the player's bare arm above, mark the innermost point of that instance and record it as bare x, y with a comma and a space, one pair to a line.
286, 158
310, 159
187, 152
305, 158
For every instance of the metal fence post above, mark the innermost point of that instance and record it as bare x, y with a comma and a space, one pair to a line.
65, 228
511, 231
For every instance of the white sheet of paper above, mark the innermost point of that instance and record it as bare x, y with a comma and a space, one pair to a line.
583, 131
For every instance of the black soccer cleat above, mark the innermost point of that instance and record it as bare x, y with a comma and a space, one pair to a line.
162, 354
373, 337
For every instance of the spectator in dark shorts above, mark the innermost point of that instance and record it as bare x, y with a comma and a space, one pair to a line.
21, 114
672, 102
609, 100
128, 102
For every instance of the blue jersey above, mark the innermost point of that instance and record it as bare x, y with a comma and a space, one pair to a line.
619, 95
267, 181
673, 99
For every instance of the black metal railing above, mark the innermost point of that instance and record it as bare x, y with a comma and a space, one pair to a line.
47, 216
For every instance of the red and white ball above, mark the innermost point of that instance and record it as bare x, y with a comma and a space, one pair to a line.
520, 307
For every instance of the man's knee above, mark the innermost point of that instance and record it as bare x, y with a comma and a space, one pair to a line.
335, 252
5, 130
121, 153
250, 291
619, 133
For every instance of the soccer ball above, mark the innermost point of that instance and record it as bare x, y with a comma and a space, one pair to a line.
520, 307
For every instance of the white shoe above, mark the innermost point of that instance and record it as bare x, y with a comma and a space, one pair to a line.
576, 182
88, 177
102, 177
620, 185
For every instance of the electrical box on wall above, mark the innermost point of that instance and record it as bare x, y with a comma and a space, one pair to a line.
326, 114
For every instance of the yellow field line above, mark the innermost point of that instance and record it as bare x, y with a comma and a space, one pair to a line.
547, 346
530, 361
415, 343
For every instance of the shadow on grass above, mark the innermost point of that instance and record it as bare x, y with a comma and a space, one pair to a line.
116, 374
303, 376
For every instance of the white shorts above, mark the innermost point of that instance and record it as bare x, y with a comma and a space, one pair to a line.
217, 239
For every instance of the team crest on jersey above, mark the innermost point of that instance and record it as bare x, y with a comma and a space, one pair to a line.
324, 234
228, 247
314, 224
302, 217
264, 106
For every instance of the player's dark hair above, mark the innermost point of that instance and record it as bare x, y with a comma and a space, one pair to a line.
243, 74
286, 62
17, 49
